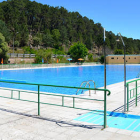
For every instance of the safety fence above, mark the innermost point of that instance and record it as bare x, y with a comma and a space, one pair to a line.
42, 97
20, 55
10, 66
133, 91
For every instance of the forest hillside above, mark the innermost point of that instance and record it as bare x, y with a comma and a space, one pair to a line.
42, 26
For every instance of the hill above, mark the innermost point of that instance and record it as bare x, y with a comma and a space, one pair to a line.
37, 25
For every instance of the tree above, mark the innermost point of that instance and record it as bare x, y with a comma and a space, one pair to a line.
78, 50
63, 35
30, 18
118, 51
36, 41
56, 36
3, 49
90, 57
99, 42
48, 40
4, 30
101, 59
43, 54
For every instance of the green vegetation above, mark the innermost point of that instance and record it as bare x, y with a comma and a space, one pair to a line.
90, 57
3, 48
101, 59
78, 50
45, 27
43, 54
118, 51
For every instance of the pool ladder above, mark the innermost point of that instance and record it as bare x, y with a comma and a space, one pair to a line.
138, 75
87, 83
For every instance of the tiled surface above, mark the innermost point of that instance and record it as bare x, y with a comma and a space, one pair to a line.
118, 120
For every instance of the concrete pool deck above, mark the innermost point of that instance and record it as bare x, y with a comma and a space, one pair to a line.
19, 120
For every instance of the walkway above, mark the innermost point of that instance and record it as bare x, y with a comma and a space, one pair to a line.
19, 120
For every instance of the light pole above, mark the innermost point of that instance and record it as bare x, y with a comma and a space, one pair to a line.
14, 41
104, 62
105, 119
124, 73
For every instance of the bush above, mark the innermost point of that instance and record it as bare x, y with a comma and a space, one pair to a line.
16, 43
96, 60
62, 59
101, 59
28, 50
78, 50
59, 52
90, 57
118, 51
43, 54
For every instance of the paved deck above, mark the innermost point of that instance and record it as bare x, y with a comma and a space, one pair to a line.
19, 120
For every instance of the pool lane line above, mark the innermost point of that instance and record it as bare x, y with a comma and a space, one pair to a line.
91, 118
85, 115
136, 127
109, 118
97, 120
130, 125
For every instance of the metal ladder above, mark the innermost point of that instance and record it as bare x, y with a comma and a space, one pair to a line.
138, 75
87, 83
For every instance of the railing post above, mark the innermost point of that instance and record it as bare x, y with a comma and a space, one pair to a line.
105, 119
38, 100
89, 91
11, 94
19, 95
127, 97
136, 94
62, 100
73, 102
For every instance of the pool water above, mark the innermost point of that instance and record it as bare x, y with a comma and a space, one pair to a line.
68, 76
114, 119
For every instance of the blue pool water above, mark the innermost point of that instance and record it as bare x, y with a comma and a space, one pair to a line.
68, 76
114, 119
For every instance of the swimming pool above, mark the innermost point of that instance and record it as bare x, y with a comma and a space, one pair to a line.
69, 76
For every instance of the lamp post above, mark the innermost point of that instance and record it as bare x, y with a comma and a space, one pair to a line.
124, 72
14, 41
105, 119
104, 62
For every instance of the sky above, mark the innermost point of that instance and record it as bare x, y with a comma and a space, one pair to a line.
114, 15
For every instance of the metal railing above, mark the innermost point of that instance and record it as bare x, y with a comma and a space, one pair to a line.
20, 55
9, 66
63, 97
132, 91
87, 83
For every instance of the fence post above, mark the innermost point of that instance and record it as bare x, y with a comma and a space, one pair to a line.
62, 100
73, 102
105, 121
11, 94
127, 97
38, 100
136, 93
19, 95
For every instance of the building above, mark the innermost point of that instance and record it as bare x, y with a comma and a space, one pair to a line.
119, 59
